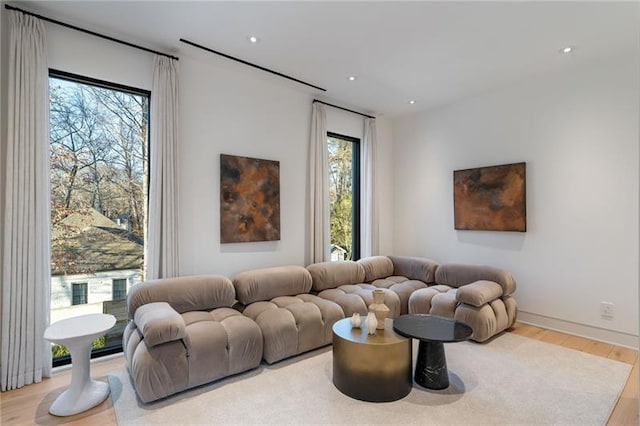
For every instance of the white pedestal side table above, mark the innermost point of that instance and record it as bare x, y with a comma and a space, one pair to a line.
77, 334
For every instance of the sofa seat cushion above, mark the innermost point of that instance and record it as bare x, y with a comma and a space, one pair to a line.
420, 300
389, 281
356, 298
444, 304
292, 325
404, 290
217, 343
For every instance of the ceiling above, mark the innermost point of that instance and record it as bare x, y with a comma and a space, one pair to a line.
430, 52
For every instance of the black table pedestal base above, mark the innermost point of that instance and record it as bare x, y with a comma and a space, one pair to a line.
431, 366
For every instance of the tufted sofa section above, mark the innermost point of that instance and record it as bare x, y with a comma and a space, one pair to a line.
477, 295
401, 275
183, 333
344, 283
292, 321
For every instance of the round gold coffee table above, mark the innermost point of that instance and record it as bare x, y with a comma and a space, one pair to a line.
374, 368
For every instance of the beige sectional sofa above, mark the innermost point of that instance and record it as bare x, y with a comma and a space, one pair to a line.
188, 331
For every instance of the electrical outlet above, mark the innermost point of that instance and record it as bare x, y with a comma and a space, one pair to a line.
606, 310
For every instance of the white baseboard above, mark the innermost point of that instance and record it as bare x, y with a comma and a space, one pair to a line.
626, 340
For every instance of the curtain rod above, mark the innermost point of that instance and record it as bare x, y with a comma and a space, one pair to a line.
93, 33
344, 109
250, 64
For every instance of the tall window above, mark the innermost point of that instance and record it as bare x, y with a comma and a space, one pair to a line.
99, 164
344, 196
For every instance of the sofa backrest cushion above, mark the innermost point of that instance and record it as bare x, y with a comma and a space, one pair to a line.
376, 267
457, 275
265, 284
184, 294
326, 275
415, 268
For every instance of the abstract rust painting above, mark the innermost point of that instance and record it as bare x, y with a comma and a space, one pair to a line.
249, 199
490, 198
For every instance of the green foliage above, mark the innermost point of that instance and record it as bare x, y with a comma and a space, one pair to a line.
341, 222
59, 350
341, 193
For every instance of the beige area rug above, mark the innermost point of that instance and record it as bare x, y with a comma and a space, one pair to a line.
509, 380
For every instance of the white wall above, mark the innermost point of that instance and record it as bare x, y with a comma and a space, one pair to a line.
231, 109
90, 56
345, 123
225, 108
577, 130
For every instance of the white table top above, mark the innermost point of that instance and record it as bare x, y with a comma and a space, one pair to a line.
80, 326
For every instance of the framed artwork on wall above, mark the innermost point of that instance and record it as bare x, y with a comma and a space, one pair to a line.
490, 198
249, 199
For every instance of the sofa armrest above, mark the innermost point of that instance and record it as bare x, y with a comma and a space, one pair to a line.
159, 323
479, 293
460, 274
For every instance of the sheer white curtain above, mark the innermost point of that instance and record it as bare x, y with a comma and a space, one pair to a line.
26, 277
319, 238
369, 216
162, 258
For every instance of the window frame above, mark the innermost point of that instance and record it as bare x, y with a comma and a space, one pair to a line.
355, 179
77, 78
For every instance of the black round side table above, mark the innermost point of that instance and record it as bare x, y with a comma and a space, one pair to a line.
432, 331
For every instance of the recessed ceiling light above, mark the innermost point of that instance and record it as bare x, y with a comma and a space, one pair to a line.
412, 102
352, 78
567, 49
253, 39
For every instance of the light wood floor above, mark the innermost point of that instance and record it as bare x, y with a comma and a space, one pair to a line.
30, 404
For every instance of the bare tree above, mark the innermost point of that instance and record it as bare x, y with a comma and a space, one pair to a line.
127, 131
98, 151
